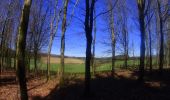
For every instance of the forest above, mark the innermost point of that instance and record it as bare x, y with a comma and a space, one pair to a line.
84, 49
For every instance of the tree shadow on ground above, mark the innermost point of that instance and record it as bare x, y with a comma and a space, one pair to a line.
7, 78
109, 88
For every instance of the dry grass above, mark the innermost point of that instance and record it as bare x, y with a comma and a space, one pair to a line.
67, 60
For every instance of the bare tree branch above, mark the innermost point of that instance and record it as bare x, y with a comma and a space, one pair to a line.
102, 13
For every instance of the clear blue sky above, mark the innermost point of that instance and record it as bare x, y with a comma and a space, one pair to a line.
75, 35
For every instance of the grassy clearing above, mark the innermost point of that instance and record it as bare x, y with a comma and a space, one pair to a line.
80, 67
73, 65
66, 60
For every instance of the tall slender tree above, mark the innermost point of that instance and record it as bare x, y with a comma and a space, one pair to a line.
4, 32
122, 26
149, 18
168, 33
94, 43
162, 16
38, 29
161, 51
141, 14
53, 31
88, 30
112, 33
20, 52
62, 50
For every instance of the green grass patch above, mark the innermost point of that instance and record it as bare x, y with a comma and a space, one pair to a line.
80, 68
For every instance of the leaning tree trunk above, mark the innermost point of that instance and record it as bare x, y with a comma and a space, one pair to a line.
64, 25
141, 8
20, 52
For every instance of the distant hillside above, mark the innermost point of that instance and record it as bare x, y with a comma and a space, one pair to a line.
56, 59
54, 55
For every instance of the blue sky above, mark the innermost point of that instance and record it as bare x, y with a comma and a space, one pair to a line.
75, 35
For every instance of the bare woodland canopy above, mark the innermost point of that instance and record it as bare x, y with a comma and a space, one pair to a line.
133, 32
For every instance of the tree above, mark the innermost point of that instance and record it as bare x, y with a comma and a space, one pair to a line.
150, 47
149, 17
133, 53
9, 22
20, 52
7, 30
161, 52
53, 31
122, 26
88, 30
112, 32
38, 29
168, 41
162, 16
141, 14
62, 49
94, 43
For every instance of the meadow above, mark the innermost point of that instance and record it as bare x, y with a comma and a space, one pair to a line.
75, 65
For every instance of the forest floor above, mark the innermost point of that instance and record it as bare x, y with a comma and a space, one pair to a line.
123, 86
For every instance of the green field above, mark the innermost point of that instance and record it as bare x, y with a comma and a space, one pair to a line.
80, 68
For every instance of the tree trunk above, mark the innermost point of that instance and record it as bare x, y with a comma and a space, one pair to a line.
149, 37
161, 51
2, 45
62, 50
126, 50
20, 52
48, 57
147, 50
141, 8
113, 57
35, 62
169, 55
94, 42
88, 29
112, 37
52, 35
150, 51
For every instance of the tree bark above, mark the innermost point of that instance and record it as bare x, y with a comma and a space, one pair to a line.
35, 61
52, 35
141, 8
88, 30
48, 57
20, 52
111, 18
169, 54
161, 51
94, 42
126, 47
62, 50
150, 49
